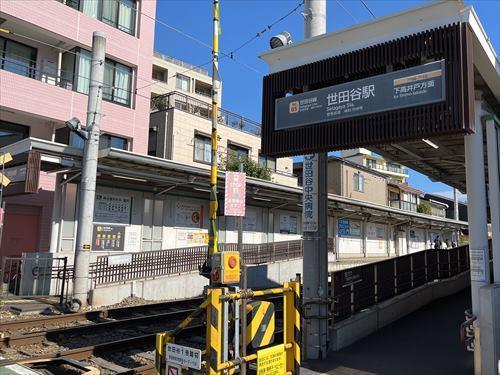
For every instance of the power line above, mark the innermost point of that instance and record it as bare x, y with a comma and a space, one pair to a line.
347, 11
368, 9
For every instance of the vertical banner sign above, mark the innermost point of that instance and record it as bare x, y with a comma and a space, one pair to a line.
310, 193
234, 196
478, 265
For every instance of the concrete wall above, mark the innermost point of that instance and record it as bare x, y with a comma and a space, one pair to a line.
375, 187
348, 331
189, 285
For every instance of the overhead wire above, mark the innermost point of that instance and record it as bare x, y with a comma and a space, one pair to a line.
347, 11
368, 9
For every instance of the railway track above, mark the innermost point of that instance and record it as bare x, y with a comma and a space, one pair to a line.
124, 330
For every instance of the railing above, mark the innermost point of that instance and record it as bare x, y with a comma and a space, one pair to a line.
383, 167
358, 288
200, 108
152, 264
184, 64
65, 79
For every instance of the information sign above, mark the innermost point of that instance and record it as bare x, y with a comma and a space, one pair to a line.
184, 356
235, 194
271, 361
310, 193
112, 209
478, 265
404, 88
108, 237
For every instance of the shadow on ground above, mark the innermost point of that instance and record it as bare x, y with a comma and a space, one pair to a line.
425, 342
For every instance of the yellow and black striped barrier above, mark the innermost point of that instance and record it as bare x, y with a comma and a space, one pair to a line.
261, 324
214, 330
291, 325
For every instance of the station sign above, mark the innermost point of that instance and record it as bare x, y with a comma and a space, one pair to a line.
420, 85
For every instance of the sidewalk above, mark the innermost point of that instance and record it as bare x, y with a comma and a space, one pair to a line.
425, 342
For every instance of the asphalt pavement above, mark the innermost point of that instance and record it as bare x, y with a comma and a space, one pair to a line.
425, 342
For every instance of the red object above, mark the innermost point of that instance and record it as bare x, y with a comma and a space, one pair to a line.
235, 194
214, 276
232, 262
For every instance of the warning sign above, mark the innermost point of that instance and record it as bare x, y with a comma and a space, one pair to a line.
271, 361
173, 369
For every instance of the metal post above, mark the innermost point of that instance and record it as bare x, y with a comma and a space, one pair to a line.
315, 264
493, 134
478, 233
89, 169
244, 286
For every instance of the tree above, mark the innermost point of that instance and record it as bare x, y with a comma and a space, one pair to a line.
250, 167
424, 208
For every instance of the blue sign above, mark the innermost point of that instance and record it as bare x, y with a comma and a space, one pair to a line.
344, 229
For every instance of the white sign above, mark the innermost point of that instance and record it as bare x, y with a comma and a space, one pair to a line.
478, 265
112, 209
235, 194
114, 260
288, 224
188, 214
310, 193
184, 356
250, 221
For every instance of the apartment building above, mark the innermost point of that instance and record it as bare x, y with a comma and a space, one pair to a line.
392, 170
352, 180
403, 196
45, 63
180, 125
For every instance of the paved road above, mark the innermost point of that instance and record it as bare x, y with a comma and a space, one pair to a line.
425, 342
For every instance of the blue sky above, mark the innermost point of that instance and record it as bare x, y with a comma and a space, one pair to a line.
242, 19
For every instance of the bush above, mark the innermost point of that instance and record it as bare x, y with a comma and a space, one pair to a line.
250, 167
424, 208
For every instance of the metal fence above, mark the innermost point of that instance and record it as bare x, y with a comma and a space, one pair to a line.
152, 264
357, 288
200, 108
35, 274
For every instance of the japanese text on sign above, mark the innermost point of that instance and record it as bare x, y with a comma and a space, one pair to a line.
478, 264
271, 361
184, 356
404, 88
234, 197
310, 193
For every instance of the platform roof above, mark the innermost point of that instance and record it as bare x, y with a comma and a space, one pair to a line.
128, 170
446, 163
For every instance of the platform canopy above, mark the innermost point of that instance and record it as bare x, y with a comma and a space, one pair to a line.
427, 138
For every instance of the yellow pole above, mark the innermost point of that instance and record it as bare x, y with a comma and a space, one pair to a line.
291, 325
213, 240
214, 331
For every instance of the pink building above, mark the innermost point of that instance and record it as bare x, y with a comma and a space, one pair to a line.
44, 78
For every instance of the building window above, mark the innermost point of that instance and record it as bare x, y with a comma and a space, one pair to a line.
76, 75
65, 136
160, 74
152, 225
11, 133
371, 163
183, 82
117, 13
202, 148
394, 167
267, 162
359, 182
17, 58
237, 151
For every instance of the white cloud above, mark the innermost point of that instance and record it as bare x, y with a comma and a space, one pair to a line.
449, 194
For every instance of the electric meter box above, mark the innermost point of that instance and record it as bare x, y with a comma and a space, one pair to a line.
225, 268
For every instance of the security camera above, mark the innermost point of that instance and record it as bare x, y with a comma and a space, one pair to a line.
76, 127
282, 39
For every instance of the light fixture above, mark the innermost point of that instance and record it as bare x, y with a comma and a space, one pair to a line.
76, 127
262, 199
129, 178
430, 143
201, 189
282, 39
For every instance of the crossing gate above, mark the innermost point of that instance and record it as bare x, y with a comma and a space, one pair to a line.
222, 307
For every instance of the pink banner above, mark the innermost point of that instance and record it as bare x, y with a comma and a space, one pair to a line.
234, 197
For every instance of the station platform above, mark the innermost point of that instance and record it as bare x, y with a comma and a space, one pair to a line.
425, 342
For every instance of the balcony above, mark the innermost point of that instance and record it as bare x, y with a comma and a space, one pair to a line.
199, 108
403, 205
389, 168
183, 64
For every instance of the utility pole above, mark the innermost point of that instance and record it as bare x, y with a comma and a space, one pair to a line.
213, 240
89, 170
315, 264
